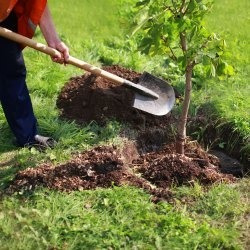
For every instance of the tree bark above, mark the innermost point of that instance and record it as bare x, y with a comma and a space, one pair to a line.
181, 133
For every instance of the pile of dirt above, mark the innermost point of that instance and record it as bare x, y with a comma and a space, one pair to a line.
108, 166
101, 167
166, 168
89, 98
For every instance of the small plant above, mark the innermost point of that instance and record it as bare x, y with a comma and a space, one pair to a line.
175, 28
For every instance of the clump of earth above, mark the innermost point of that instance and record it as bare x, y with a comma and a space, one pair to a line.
90, 98
149, 161
104, 167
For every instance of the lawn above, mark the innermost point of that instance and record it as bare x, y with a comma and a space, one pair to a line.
230, 97
122, 217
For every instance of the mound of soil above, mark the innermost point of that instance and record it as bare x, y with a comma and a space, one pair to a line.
89, 98
166, 168
150, 163
107, 166
100, 167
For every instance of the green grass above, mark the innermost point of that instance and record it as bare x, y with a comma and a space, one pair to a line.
230, 98
120, 217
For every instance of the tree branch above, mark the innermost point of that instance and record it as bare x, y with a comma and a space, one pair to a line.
182, 6
183, 39
170, 9
174, 6
185, 12
203, 46
173, 54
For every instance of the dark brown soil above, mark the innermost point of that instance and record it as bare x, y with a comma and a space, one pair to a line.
108, 166
89, 98
150, 162
101, 167
166, 168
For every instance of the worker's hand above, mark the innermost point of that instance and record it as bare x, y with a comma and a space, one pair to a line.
63, 49
49, 32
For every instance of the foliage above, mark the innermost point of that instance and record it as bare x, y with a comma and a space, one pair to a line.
163, 23
176, 29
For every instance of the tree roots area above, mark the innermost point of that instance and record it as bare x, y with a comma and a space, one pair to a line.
147, 157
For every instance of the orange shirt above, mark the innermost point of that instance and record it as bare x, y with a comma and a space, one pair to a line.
29, 13
6, 7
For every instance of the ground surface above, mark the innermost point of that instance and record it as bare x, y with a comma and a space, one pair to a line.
122, 217
105, 167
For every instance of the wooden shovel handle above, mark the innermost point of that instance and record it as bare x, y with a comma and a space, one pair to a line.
76, 62
53, 52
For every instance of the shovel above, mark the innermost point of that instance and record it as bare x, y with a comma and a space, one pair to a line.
152, 94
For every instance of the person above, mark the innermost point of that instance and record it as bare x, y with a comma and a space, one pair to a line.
23, 16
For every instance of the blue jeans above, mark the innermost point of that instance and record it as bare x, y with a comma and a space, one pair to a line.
14, 95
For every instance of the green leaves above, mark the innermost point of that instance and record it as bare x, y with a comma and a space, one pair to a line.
162, 21
224, 68
160, 24
158, 28
145, 45
142, 3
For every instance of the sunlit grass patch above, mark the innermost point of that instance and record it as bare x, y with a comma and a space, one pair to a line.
117, 218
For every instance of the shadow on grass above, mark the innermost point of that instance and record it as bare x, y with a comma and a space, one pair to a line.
6, 140
215, 132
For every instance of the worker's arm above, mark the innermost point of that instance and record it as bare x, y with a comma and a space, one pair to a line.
49, 32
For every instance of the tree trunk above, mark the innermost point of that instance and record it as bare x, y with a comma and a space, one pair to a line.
181, 133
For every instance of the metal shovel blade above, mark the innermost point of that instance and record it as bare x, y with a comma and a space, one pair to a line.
160, 106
